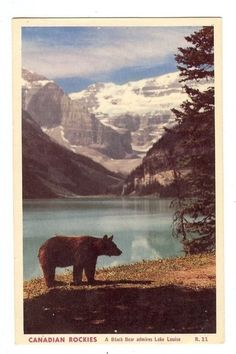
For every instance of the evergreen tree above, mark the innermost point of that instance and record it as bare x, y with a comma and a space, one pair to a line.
194, 219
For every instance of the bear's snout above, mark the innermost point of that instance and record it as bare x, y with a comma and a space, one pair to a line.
114, 252
117, 252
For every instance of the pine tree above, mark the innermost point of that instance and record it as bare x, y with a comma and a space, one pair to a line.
194, 219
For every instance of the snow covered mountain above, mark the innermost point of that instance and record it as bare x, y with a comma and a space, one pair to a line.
114, 125
143, 107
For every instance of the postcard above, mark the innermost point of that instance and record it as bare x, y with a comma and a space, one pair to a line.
118, 181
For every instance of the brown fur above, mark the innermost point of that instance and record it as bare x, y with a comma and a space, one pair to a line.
81, 252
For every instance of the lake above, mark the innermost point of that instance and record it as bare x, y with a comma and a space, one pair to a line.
141, 227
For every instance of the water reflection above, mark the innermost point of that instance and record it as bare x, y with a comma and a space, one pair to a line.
141, 226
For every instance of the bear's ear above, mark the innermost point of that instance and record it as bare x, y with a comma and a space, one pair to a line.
105, 237
111, 238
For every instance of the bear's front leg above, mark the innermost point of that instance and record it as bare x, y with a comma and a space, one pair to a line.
77, 274
89, 269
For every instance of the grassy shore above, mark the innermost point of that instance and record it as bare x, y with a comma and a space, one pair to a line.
174, 295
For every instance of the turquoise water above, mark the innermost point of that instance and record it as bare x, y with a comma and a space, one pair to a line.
141, 227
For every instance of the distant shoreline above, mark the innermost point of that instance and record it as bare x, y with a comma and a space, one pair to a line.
104, 196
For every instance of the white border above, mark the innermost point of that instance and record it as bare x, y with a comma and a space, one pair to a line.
9, 9
18, 227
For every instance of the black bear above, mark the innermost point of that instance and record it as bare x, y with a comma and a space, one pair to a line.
81, 252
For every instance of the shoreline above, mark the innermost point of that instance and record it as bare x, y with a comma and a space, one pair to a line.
190, 270
175, 295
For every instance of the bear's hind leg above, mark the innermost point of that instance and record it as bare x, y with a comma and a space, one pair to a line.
49, 275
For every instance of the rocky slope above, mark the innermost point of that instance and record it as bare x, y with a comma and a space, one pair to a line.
50, 170
155, 175
165, 168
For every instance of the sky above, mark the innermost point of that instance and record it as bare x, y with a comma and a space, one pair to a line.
75, 57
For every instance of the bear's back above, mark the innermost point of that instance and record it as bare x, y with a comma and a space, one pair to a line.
61, 250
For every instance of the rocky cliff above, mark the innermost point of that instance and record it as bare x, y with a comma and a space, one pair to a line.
50, 170
51, 108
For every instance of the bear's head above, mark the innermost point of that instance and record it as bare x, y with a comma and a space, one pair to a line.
108, 247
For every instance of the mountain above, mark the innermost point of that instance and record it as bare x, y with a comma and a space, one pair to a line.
142, 107
69, 122
115, 125
50, 170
